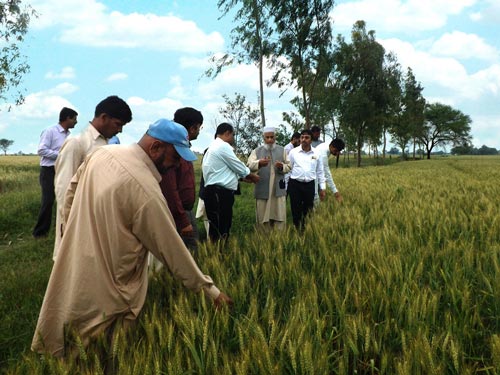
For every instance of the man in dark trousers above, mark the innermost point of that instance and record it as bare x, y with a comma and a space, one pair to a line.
51, 141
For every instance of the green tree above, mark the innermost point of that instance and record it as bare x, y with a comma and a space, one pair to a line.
246, 122
410, 119
360, 75
14, 21
5, 144
303, 49
444, 125
250, 40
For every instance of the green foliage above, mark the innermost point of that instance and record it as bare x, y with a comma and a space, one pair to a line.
399, 279
444, 125
14, 21
5, 144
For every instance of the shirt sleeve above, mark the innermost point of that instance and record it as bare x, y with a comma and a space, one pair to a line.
155, 229
253, 162
45, 147
69, 159
232, 161
328, 174
320, 173
170, 191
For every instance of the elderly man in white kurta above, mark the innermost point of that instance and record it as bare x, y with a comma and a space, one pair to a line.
115, 214
271, 162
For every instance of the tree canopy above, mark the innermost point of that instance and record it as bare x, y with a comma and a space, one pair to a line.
5, 144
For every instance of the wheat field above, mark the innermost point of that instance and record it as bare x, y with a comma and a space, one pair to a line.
403, 277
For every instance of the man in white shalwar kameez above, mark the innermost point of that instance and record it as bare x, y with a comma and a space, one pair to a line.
271, 162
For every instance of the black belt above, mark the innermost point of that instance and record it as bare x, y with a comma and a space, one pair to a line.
300, 181
218, 188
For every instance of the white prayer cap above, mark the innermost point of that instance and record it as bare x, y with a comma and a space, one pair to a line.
269, 129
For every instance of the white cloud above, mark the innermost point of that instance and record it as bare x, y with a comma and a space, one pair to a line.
398, 15
485, 130
62, 89
464, 46
490, 13
117, 77
67, 72
89, 23
446, 73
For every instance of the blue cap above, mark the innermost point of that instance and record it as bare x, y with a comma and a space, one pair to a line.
173, 133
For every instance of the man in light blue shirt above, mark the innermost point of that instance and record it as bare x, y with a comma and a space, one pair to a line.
221, 171
51, 141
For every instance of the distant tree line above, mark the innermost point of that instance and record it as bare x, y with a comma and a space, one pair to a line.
468, 149
351, 89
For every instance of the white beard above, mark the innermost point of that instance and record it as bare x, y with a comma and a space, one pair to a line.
270, 147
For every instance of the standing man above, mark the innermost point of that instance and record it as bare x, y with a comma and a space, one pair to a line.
316, 133
111, 114
51, 141
178, 183
294, 142
271, 162
334, 148
306, 169
221, 172
115, 214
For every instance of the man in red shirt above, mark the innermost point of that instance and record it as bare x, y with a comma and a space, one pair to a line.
178, 184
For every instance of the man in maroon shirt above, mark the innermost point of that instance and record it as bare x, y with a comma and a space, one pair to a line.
178, 184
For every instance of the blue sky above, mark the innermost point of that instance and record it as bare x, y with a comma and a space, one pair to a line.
153, 55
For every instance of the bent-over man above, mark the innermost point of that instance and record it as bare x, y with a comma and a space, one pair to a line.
115, 214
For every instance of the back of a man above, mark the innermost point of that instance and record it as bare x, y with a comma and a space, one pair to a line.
110, 116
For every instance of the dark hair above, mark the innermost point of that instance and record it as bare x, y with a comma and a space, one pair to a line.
307, 131
67, 113
295, 135
115, 107
188, 117
224, 127
338, 144
315, 128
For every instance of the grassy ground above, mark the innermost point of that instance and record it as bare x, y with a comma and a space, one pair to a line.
402, 278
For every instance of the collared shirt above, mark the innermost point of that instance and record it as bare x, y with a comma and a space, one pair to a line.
51, 141
306, 166
323, 149
115, 214
222, 167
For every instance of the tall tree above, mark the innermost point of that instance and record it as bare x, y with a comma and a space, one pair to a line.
360, 75
444, 125
14, 20
303, 49
246, 123
250, 40
5, 144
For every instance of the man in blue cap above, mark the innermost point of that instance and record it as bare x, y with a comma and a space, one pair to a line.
115, 213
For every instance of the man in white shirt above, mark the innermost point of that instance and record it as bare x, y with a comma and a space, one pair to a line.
334, 148
111, 114
221, 172
51, 141
306, 168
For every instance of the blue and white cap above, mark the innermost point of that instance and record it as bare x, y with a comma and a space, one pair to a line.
171, 132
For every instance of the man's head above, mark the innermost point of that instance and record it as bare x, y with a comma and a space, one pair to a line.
111, 115
295, 140
225, 132
68, 118
316, 132
268, 133
336, 146
306, 139
191, 119
166, 142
